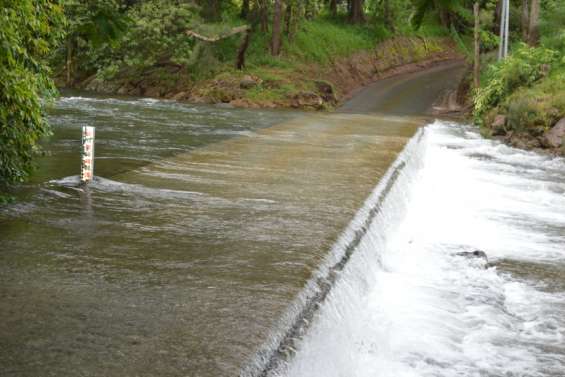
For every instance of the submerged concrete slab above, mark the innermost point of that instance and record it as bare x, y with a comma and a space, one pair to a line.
264, 211
183, 266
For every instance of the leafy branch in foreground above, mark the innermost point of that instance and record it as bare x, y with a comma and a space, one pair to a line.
29, 30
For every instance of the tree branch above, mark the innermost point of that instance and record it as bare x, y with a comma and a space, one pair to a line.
236, 30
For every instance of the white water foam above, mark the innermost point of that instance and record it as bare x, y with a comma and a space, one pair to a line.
407, 305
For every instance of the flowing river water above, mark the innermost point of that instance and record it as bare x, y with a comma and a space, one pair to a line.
218, 242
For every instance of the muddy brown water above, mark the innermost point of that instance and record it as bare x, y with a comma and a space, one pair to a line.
201, 228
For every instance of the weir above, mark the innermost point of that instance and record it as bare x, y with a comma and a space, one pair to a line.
408, 304
199, 244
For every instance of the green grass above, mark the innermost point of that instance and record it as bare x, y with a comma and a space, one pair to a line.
321, 41
552, 27
318, 41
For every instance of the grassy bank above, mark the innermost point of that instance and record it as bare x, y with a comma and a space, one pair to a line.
322, 60
523, 97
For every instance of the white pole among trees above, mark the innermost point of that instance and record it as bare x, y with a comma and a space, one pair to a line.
477, 65
507, 19
504, 26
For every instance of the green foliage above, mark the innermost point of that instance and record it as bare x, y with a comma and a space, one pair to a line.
93, 28
460, 43
525, 66
552, 25
94, 22
106, 38
158, 34
458, 11
535, 109
488, 40
29, 29
322, 40
151, 34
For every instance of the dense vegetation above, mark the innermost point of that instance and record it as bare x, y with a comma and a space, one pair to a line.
523, 96
169, 42
29, 30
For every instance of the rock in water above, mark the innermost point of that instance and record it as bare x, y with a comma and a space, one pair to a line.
498, 125
555, 137
474, 254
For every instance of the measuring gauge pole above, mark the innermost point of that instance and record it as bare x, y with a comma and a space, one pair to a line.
87, 155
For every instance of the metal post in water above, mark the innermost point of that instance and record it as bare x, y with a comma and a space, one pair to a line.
87, 155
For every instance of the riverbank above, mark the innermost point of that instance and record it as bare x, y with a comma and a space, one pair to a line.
532, 117
521, 101
305, 85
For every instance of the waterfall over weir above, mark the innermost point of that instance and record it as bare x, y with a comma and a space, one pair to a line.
395, 298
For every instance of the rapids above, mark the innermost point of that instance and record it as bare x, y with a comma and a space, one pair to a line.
407, 305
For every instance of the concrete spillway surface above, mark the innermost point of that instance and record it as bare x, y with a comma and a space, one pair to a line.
203, 227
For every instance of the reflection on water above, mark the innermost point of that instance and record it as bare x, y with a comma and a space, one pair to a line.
201, 227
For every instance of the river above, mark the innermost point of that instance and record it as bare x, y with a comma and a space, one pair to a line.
217, 242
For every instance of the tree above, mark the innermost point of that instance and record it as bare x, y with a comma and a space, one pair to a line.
333, 8
449, 11
244, 9
356, 13
29, 31
533, 30
387, 14
477, 56
211, 9
91, 24
525, 19
262, 9
276, 36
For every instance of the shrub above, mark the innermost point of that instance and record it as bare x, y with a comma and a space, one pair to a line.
524, 67
29, 29
535, 109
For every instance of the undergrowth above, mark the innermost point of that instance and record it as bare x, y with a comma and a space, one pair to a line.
528, 87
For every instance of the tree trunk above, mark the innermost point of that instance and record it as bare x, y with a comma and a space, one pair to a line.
525, 19
69, 62
388, 15
276, 37
264, 15
333, 8
240, 63
244, 9
356, 14
533, 32
211, 9
497, 16
477, 65
288, 21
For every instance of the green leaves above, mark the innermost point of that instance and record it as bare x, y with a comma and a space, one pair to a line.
158, 34
525, 66
29, 29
